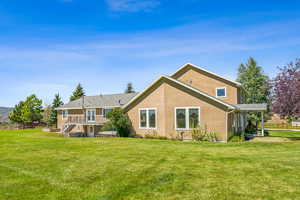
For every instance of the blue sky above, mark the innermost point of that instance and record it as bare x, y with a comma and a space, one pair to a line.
48, 46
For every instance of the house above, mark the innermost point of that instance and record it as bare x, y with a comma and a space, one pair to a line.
171, 106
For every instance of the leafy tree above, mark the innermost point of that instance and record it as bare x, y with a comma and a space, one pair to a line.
32, 109
256, 83
78, 93
286, 91
129, 88
27, 111
120, 122
55, 104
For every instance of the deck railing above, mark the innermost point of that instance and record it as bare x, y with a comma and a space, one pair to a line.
76, 119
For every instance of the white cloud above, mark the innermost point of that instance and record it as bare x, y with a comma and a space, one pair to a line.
132, 5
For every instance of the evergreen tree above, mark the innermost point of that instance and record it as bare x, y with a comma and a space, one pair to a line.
129, 88
256, 83
16, 114
78, 93
55, 104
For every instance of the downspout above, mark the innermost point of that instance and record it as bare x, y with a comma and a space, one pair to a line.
227, 113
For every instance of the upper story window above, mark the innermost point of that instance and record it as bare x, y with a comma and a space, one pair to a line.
187, 117
65, 114
106, 111
221, 92
91, 115
147, 118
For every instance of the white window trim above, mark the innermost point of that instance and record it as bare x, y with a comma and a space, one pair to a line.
147, 118
66, 116
87, 115
187, 121
221, 88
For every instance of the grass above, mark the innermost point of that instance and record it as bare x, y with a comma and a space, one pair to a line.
36, 165
285, 134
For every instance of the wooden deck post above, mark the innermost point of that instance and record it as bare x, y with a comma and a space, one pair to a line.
262, 124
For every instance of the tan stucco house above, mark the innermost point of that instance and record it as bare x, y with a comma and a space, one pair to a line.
170, 106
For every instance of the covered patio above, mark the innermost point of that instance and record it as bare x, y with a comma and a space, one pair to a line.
254, 108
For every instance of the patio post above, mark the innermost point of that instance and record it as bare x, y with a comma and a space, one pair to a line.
262, 124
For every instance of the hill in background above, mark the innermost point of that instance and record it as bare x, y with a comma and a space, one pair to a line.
4, 112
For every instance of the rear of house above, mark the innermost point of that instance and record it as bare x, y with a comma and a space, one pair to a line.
88, 114
171, 107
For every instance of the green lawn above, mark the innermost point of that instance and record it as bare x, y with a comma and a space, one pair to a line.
35, 165
286, 134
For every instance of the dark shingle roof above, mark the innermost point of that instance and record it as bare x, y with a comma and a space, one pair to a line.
100, 101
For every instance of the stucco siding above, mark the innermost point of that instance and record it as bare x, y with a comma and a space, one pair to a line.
153, 99
165, 97
208, 84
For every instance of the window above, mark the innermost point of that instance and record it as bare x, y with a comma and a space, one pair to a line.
65, 114
221, 92
147, 118
106, 111
186, 117
91, 115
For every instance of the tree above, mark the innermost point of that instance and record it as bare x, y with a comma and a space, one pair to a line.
286, 91
55, 104
120, 122
129, 88
27, 111
32, 109
78, 93
256, 83
16, 114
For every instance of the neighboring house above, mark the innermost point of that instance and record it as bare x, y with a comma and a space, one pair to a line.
171, 106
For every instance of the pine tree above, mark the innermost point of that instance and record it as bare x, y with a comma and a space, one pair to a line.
256, 83
78, 93
55, 104
129, 88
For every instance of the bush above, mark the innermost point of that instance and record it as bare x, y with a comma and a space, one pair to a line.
202, 134
107, 126
236, 136
154, 135
120, 122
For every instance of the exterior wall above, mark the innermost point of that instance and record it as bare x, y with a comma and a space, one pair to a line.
154, 99
165, 97
208, 84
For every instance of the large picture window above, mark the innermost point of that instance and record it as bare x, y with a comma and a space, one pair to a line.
187, 117
147, 118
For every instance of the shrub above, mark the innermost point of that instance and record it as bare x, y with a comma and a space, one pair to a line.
120, 122
154, 135
236, 136
202, 134
107, 126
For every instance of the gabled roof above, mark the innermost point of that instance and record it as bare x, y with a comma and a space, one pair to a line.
164, 77
100, 101
204, 70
